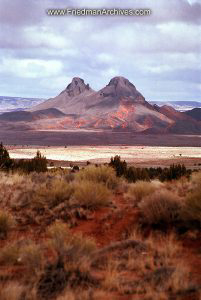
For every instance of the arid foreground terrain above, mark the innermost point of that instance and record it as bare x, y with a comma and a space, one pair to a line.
92, 235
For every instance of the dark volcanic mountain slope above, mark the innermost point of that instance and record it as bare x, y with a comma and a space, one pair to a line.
183, 123
111, 96
26, 116
195, 113
17, 116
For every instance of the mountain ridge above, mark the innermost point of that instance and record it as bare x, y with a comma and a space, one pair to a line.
117, 106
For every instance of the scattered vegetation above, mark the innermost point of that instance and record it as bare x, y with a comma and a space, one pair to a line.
160, 207
12, 291
91, 195
133, 174
36, 164
192, 206
137, 191
100, 174
64, 245
53, 194
5, 161
6, 224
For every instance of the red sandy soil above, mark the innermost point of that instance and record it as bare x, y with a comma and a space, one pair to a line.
108, 225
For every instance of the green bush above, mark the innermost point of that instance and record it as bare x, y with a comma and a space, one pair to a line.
119, 166
5, 161
174, 172
133, 174
37, 164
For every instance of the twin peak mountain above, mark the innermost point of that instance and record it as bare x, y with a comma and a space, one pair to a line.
117, 106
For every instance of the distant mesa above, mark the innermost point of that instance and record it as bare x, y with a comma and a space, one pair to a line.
117, 106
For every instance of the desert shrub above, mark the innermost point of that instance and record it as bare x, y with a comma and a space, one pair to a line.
196, 179
137, 191
31, 257
75, 168
91, 195
5, 161
133, 174
174, 172
12, 291
85, 295
83, 246
68, 177
9, 254
119, 166
101, 174
58, 232
181, 279
160, 207
111, 277
6, 224
36, 164
53, 194
192, 206
73, 246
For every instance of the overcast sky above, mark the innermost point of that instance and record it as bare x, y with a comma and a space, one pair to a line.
159, 54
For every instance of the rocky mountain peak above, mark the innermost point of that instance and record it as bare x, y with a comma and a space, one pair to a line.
121, 88
121, 81
76, 87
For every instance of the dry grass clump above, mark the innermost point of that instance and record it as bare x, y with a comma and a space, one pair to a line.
164, 250
160, 207
137, 191
192, 206
9, 254
91, 195
11, 178
179, 187
180, 279
161, 252
52, 195
112, 277
74, 247
161, 270
85, 295
101, 174
196, 179
6, 224
31, 256
58, 233
12, 291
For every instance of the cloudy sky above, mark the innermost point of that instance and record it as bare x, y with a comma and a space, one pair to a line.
160, 53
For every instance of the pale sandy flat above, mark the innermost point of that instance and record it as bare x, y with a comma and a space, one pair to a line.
103, 154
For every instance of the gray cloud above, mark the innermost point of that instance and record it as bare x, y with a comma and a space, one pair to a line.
159, 53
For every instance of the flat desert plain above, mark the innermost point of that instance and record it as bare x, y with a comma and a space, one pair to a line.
138, 155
